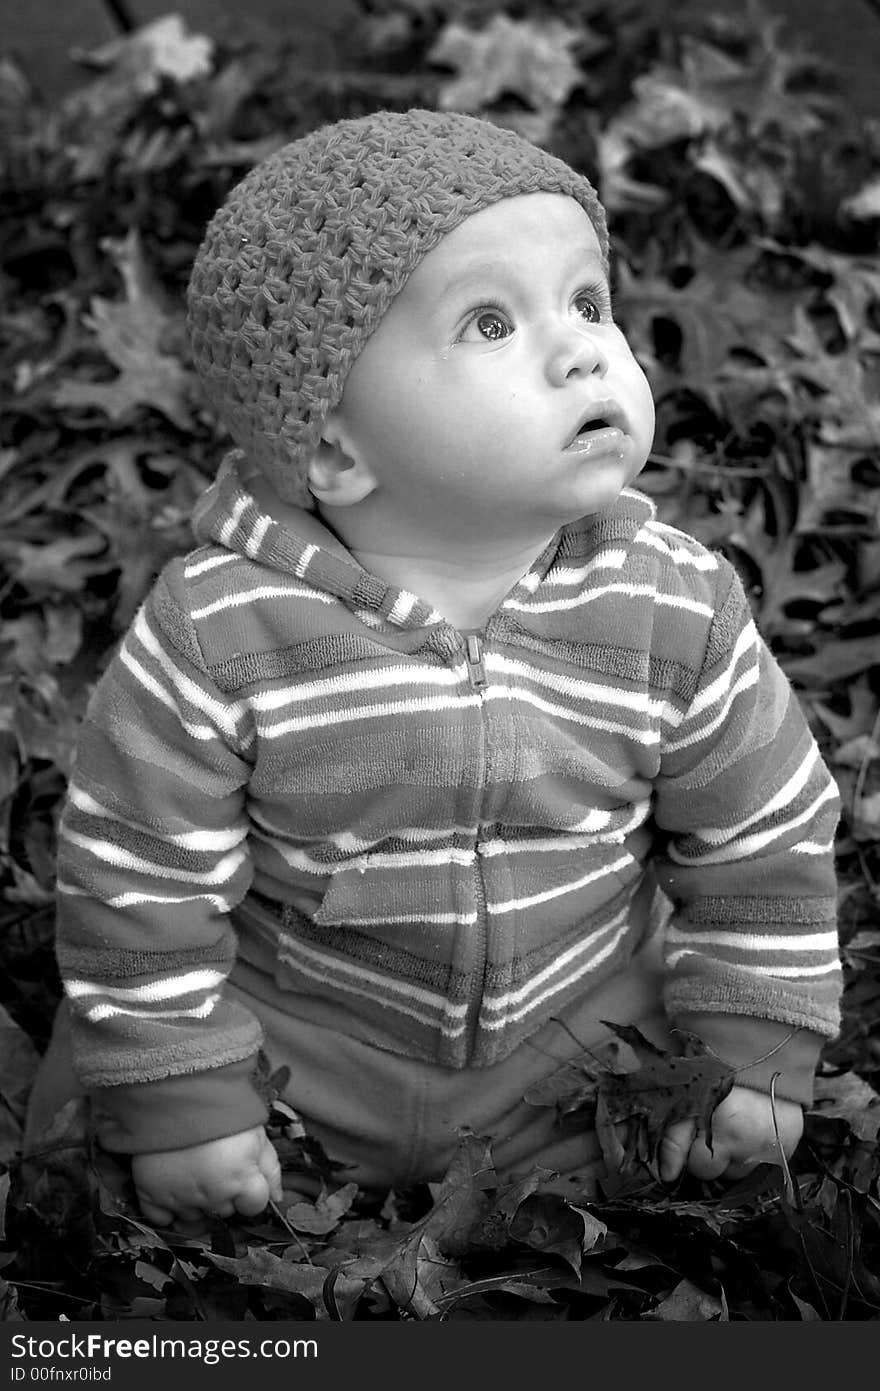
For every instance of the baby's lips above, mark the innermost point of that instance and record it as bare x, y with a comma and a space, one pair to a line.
595, 443
600, 415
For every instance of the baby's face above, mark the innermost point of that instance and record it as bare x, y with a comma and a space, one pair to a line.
498, 387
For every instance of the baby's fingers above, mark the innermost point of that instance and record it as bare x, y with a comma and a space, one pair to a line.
253, 1195
152, 1212
270, 1167
706, 1163
674, 1149
162, 1215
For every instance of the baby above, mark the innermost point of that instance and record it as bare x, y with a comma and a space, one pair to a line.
440, 748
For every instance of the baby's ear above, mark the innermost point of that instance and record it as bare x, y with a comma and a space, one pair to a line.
337, 475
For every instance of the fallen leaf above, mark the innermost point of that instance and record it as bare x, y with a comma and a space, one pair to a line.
665, 110
686, 1304
529, 1285
708, 93
152, 1275
864, 708
424, 1266
850, 1098
807, 1312
843, 379
9, 1310
19, 1061
132, 332
866, 817
594, 1230
782, 582
832, 1254
362, 1249
754, 188
163, 48
264, 1269
835, 661
715, 312
509, 1196
417, 1265
461, 1199
60, 566
5, 1183
421, 1277
755, 87
568, 1089
620, 190
530, 59
549, 1224
324, 1214
666, 1087
864, 205
854, 281
619, 1153
832, 492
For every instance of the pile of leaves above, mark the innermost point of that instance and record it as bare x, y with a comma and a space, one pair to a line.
744, 201
797, 1242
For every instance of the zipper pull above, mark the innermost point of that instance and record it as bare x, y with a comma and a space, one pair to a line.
476, 666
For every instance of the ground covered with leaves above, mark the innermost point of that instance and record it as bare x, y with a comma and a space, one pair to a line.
744, 201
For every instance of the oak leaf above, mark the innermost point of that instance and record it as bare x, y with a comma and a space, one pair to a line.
325, 1214
163, 48
665, 1088
850, 1098
529, 59
133, 332
631, 1090
547, 1223
687, 1304
865, 204
261, 1268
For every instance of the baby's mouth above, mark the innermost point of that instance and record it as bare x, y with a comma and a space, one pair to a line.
599, 430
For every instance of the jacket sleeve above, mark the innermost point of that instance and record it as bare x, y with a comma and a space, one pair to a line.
152, 856
747, 812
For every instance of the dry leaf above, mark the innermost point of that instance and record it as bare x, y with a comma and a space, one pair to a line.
864, 205
163, 48
666, 1088
850, 1098
549, 1224
62, 564
132, 333
686, 1304
866, 818
324, 1214
530, 59
260, 1267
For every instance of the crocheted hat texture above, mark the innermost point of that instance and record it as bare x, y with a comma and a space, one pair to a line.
303, 259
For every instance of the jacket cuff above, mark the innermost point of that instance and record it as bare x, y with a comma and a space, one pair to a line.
175, 1112
743, 1043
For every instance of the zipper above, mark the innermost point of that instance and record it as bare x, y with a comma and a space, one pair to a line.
473, 651
476, 667
481, 947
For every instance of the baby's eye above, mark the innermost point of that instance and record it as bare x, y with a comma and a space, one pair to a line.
590, 306
488, 324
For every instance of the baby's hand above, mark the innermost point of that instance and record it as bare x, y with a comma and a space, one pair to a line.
238, 1173
743, 1135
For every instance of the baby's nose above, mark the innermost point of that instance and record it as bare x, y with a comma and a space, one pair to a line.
573, 353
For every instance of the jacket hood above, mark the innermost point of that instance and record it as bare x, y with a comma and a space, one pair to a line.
299, 544
229, 515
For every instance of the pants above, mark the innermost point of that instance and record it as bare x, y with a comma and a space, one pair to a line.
392, 1120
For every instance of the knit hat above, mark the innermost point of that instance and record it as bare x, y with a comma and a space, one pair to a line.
302, 260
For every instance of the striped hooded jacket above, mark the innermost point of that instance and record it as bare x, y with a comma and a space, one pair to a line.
301, 778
